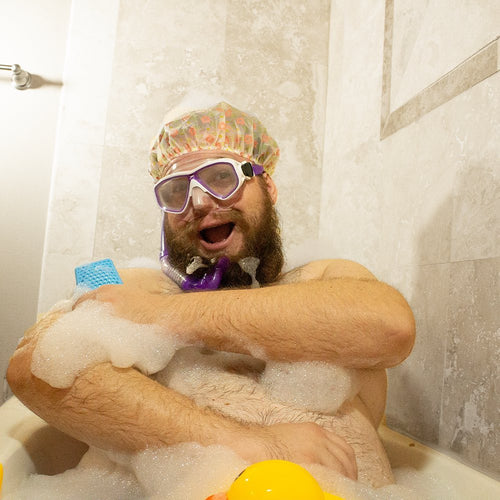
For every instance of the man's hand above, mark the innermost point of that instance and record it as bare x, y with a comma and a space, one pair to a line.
129, 302
138, 298
301, 443
310, 443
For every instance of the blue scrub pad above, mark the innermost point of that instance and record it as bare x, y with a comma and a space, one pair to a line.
95, 274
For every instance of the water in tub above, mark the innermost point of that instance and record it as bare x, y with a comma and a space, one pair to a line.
90, 334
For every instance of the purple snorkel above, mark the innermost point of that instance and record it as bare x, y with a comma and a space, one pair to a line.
209, 281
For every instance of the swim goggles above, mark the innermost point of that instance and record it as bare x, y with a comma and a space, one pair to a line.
221, 178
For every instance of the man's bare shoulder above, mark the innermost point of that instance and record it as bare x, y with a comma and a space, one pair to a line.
327, 269
151, 280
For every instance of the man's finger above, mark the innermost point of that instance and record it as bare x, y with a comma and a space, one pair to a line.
343, 452
346, 460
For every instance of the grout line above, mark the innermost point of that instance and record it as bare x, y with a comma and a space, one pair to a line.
473, 70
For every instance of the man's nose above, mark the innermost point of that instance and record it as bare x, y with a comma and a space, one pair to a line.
202, 201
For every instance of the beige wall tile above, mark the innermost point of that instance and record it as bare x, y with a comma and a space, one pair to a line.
128, 223
476, 211
410, 205
415, 387
72, 216
470, 419
162, 51
276, 71
354, 77
352, 203
77, 166
425, 40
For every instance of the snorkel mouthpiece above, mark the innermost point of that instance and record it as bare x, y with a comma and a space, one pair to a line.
209, 281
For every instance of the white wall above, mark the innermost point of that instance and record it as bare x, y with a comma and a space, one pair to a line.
138, 60
33, 35
421, 207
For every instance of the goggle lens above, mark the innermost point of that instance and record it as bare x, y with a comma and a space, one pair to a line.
172, 193
220, 179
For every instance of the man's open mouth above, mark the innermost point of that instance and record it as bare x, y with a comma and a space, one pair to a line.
217, 234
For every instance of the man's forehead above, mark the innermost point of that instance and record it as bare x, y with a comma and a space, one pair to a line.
192, 160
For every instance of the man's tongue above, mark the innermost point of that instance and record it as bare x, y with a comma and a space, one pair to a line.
218, 233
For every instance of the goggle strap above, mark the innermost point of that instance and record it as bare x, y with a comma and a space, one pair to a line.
250, 169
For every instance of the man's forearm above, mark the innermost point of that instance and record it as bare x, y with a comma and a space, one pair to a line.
353, 323
333, 311
124, 410
120, 409
114, 408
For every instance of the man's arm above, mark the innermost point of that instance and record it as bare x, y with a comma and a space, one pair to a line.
124, 410
333, 311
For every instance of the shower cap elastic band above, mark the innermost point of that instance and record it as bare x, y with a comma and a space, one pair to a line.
219, 128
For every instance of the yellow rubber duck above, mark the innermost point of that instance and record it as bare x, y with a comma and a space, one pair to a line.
275, 480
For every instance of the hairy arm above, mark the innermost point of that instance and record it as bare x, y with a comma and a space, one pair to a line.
330, 310
122, 409
333, 311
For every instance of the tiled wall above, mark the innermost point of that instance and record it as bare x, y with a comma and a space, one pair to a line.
413, 193
133, 63
78, 164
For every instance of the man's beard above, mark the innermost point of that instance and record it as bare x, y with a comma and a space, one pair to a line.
262, 240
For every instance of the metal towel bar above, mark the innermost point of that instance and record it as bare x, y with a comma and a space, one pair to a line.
20, 79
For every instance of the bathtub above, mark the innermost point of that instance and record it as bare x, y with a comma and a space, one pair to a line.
28, 444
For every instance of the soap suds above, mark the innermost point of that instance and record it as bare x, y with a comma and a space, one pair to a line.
315, 386
91, 334
195, 264
190, 471
250, 265
186, 471
96, 476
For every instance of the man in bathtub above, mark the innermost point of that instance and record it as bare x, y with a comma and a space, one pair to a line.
213, 170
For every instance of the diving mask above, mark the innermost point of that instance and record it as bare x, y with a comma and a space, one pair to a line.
221, 178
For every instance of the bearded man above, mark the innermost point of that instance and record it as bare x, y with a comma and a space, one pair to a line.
213, 170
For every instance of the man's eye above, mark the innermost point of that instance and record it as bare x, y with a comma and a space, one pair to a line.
177, 188
221, 176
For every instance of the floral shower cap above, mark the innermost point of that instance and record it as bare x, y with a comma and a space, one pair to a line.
221, 127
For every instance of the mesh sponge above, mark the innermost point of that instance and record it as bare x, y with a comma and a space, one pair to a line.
95, 274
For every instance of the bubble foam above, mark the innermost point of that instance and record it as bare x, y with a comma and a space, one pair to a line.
96, 476
91, 334
187, 470
250, 265
191, 471
314, 386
